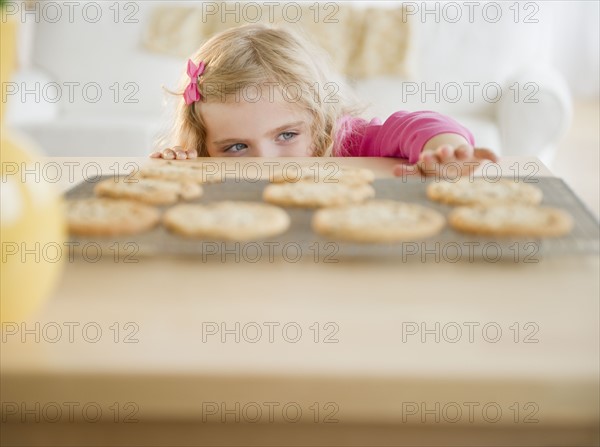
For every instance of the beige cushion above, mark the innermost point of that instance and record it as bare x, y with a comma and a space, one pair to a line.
361, 42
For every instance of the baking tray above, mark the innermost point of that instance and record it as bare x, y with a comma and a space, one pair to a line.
301, 243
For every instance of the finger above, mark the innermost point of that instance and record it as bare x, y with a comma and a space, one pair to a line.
155, 154
485, 154
168, 154
464, 152
444, 153
426, 154
179, 153
192, 153
429, 164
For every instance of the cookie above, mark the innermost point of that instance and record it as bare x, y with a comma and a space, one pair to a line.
228, 220
327, 173
182, 171
378, 221
108, 217
150, 191
309, 194
480, 191
511, 220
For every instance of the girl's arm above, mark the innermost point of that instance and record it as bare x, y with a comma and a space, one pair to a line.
426, 140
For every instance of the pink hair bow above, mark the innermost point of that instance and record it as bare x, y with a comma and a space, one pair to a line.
192, 92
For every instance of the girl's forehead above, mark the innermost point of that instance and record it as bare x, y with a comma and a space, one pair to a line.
263, 113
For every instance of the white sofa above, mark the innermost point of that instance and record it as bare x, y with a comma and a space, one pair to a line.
447, 58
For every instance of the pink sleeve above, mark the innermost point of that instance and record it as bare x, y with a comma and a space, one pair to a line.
402, 135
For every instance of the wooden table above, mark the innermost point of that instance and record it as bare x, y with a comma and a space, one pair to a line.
163, 350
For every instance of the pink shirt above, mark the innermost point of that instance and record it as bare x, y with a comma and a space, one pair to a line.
402, 135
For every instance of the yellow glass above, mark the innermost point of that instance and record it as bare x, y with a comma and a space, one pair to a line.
32, 224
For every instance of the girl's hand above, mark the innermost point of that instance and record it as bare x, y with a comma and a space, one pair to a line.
446, 161
175, 153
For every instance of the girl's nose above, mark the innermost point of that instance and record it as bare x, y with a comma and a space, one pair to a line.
265, 150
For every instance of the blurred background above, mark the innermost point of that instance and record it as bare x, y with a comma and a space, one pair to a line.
523, 76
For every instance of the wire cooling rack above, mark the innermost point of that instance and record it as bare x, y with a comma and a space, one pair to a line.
301, 242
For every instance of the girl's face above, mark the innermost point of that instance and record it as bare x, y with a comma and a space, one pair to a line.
269, 127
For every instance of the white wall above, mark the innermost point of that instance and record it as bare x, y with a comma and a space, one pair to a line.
569, 29
577, 45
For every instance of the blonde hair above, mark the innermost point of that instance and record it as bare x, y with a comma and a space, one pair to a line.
252, 55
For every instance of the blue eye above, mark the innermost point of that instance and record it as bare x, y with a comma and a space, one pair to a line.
287, 136
236, 147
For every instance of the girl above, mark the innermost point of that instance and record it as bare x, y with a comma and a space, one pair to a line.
259, 91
